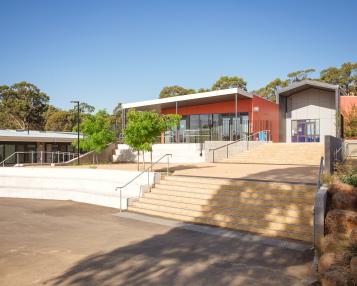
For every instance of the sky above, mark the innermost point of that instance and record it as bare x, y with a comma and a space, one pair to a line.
104, 52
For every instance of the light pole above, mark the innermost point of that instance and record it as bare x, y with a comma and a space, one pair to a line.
78, 119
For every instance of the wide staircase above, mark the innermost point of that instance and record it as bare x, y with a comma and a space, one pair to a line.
276, 209
271, 209
281, 153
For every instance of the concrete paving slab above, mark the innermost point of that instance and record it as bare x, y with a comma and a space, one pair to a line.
66, 243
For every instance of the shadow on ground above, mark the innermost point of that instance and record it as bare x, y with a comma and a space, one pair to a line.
181, 257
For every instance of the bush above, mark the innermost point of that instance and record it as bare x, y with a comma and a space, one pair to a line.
347, 174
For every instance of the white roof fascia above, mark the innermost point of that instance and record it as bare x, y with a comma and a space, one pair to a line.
187, 97
310, 82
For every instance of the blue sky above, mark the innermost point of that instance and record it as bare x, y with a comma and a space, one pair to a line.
105, 52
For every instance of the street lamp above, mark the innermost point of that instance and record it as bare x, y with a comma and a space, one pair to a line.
78, 119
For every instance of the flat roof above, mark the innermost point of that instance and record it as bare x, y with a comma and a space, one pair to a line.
305, 84
189, 99
37, 136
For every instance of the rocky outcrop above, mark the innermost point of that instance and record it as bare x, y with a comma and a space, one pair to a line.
341, 221
344, 201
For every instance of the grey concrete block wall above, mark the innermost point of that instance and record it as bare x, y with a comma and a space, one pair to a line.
332, 144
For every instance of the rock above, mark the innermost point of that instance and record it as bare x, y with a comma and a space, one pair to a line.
353, 267
353, 237
341, 188
334, 277
335, 242
344, 201
341, 221
329, 260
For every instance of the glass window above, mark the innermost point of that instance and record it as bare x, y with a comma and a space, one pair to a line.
194, 122
9, 150
2, 152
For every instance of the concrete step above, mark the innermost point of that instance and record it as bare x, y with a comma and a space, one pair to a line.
213, 194
244, 207
229, 201
279, 225
256, 214
232, 184
262, 187
265, 230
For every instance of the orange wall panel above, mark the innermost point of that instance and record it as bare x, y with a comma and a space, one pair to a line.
346, 102
267, 117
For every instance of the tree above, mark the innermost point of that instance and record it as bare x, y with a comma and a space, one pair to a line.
300, 75
271, 88
203, 89
144, 128
117, 120
350, 122
24, 104
97, 132
175, 90
225, 82
60, 121
345, 76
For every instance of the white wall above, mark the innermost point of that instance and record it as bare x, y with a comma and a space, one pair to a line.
312, 104
181, 153
93, 186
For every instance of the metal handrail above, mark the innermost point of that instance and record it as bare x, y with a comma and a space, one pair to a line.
144, 171
321, 170
347, 147
318, 186
245, 138
58, 153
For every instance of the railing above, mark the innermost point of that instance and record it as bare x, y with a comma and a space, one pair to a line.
321, 170
347, 151
263, 135
38, 157
318, 206
147, 170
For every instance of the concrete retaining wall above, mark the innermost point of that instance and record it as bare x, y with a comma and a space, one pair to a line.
332, 144
181, 153
91, 186
233, 149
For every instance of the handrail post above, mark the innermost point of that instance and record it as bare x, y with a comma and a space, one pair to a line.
213, 156
149, 179
168, 165
41, 157
120, 195
17, 158
227, 151
31, 157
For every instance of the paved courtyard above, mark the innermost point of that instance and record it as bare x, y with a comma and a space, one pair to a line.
66, 243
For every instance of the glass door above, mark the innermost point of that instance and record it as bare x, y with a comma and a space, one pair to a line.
226, 129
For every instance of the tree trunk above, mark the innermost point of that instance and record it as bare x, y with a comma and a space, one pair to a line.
138, 161
151, 159
143, 160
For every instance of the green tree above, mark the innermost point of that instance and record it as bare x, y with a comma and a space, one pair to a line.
271, 88
144, 128
117, 120
300, 75
345, 76
203, 90
97, 132
175, 90
24, 104
60, 121
225, 82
